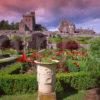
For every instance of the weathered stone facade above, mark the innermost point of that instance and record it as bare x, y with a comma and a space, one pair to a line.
85, 31
27, 23
67, 27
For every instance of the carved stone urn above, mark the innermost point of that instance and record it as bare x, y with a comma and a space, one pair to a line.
46, 78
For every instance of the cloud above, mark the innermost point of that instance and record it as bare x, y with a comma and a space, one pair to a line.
91, 24
50, 12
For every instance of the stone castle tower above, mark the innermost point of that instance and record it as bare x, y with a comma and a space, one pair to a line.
27, 23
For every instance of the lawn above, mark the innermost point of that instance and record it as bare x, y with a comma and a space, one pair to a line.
78, 96
66, 96
19, 97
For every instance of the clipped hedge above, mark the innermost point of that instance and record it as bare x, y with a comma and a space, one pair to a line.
13, 68
76, 80
7, 61
17, 84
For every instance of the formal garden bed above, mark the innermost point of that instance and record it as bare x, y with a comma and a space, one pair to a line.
78, 70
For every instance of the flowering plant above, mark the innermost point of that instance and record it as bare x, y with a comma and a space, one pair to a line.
48, 56
68, 60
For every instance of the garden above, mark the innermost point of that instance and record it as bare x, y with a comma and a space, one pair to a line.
77, 71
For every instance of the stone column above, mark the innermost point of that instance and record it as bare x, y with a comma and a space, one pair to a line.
46, 81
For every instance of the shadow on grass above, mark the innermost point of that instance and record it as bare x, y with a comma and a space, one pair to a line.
67, 91
1, 93
64, 94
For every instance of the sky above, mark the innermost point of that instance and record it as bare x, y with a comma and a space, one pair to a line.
49, 13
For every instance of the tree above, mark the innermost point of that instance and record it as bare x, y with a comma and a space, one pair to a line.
5, 25
39, 27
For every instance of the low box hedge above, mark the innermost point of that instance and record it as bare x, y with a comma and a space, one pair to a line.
77, 80
15, 84
11, 69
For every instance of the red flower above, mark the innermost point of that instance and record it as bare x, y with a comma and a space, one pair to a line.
77, 64
66, 69
36, 55
23, 58
53, 58
59, 53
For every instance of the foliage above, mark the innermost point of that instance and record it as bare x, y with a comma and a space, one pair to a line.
68, 60
76, 60
95, 47
83, 40
17, 84
16, 37
76, 80
39, 27
9, 51
5, 25
13, 68
55, 39
92, 65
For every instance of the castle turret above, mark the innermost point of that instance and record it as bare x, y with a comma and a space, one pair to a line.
27, 23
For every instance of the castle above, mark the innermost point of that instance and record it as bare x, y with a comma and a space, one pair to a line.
27, 23
39, 39
67, 27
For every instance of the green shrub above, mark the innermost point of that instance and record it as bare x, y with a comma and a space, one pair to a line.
78, 81
9, 51
71, 66
14, 68
55, 39
83, 40
17, 84
20, 84
95, 47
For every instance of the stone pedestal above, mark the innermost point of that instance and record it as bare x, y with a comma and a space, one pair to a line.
46, 81
50, 96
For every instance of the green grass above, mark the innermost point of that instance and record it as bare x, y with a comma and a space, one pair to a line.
20, 97
65, 96
55, 39
78, 96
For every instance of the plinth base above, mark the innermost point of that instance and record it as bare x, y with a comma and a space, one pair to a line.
42, 96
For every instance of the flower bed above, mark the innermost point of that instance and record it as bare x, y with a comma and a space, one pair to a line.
69, 61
